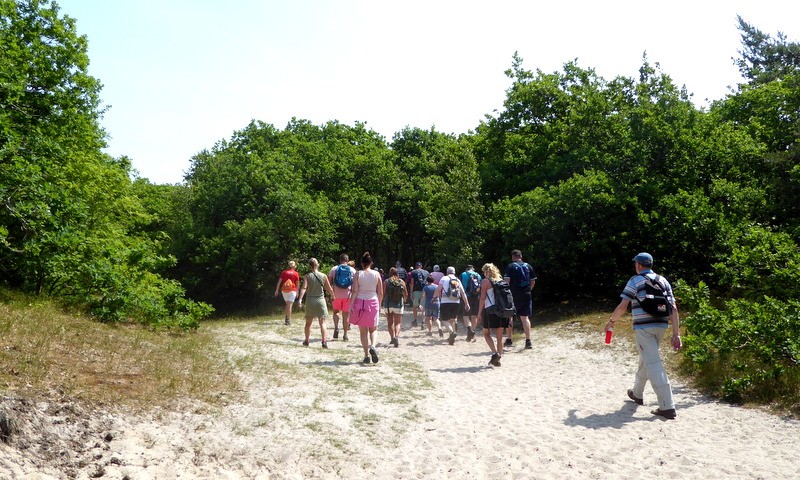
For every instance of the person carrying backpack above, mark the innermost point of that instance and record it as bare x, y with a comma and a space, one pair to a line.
493, 319
341, 277
650, 326
419, 279
288, 283
472, 286
521, 277
450, 293
393, 298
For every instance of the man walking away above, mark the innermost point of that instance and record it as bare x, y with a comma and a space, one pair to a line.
472, 287
521, 278
419, 279
653, 307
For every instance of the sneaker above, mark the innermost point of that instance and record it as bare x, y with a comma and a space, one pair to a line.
366, 360
396, 342
305, 343
344, 337
373, 354
509, 343
324, 344
335, 333
286, 321
429, 334
452, 338
640, 401
441, 333
495, 361
528, 344
668, 414
470, 334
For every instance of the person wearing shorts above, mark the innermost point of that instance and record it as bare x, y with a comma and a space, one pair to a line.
521, 278
491, 321
449, 304
315, 284
431, 304
288, 283
419, 277
394, 308
341, 298
365, 299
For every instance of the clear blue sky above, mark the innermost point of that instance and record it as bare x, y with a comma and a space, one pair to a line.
180, 75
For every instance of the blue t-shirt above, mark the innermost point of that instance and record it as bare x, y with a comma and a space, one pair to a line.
430, 300
520, 275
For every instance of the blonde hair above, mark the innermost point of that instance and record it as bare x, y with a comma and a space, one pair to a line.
313, 263
292, 264
491, 272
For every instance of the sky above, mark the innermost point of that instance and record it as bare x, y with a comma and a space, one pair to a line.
181, 75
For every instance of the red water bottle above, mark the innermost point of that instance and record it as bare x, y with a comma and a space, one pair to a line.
609, 334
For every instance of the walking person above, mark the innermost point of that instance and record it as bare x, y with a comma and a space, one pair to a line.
491, 321
521, 278
394, 297
436, 274
315, 284
649, 329
450, 293
472, 287
288, 282
431, 306
342, 278
419, 279
365, 299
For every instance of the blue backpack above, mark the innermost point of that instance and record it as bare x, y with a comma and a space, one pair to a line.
343, 277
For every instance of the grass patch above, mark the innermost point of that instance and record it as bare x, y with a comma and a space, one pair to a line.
45, 349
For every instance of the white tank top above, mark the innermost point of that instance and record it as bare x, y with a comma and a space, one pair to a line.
489, 297
368, 284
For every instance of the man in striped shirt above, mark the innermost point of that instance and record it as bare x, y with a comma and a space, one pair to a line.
649, 330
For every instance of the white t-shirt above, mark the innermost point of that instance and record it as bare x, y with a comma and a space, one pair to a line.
445, 284
368, 281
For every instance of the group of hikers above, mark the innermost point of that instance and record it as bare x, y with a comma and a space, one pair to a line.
493, 298
437, 298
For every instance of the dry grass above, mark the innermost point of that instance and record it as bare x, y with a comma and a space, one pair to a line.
43, 349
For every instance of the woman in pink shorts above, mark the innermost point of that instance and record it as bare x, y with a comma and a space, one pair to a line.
365, 300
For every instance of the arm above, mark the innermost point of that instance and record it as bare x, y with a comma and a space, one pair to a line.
486, 284
379, 288
621, 309
464, 297
278, 286
302, 291
329, 288
676, 323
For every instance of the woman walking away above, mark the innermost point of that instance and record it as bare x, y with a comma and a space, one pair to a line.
365, 300
315, 283
491, 321
396, 294
287, 285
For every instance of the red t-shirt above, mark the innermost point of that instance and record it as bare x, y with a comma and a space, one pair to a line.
290, 275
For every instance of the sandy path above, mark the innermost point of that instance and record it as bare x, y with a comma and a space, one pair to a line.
430, 410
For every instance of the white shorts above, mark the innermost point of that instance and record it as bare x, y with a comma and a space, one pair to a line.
398, 311
289, 296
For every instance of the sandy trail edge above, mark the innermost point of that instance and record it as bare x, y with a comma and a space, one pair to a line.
427, 410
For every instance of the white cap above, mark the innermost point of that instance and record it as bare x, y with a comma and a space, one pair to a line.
451, 270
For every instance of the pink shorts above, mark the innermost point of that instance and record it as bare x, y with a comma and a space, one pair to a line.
341, 304
364, 313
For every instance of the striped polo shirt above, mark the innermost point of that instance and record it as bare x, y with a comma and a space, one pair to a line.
633, 289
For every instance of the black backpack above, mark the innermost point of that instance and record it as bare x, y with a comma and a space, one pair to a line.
395, 290
503, 300
654, 301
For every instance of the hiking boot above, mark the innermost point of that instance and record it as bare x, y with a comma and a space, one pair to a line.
305, 343
414, 323
452, 338
335, 333
441, 333
668, 414
344, 337
324, 344
633, 397
508, 343
286, 321
495, 361
373, 354
470, 334
528, 344
366, 360
396, 342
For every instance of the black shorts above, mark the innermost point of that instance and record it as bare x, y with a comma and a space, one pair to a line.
448, 311
490, 320
523, 302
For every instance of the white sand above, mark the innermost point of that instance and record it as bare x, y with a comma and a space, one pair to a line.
430, 410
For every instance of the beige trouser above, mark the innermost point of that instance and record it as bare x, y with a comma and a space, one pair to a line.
651, 367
